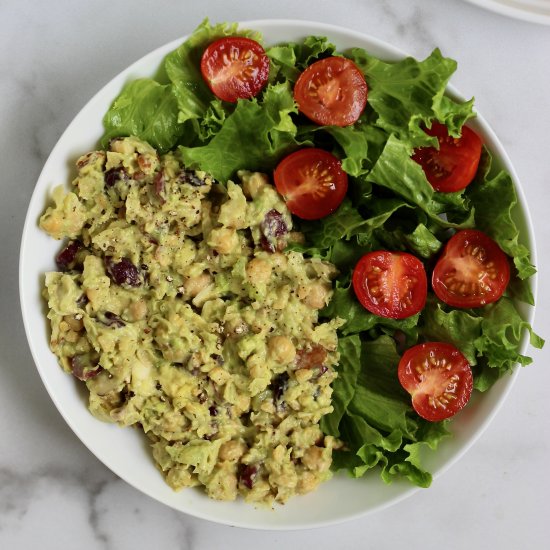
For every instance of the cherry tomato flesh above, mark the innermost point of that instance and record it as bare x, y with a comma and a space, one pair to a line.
453, 166
438, 377
390, 284
471, 272
312, 182
235, 68
331, 91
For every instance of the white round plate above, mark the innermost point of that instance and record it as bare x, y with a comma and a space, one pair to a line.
535, 11
125, 451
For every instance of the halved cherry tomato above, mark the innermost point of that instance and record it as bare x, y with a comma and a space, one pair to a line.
390, 284
453, 166
312, 182
331, 91
235, 68
438, 377
472, 271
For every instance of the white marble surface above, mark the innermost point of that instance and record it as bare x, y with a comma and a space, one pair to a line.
54, 494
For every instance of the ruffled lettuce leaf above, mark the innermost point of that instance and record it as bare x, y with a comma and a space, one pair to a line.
458, 327
378, 425
489, 337
409, 94
345, 384
176, 106
345, 305
290, 59
182, 67
494, 199
146, 109
255, 136
502, 330
397, 172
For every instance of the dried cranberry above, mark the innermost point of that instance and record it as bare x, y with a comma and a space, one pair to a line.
123, 273
83, 368
309, 358
322, 370
158, 183
82, 301
202, 397
274, 224
272, 227
111, 319
66, 258
113, 175
144, 162
190, 177
266, 245
248, 474
279, 385
88, 158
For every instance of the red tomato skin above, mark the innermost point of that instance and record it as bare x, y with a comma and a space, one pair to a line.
422, 379
458, 252
343, 81
297, 178
453, 166
225, 54
403, 269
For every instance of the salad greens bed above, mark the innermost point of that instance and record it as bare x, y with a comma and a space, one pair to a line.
390, 205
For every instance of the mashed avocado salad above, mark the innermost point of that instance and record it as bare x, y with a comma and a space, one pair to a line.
178, 306
217, 286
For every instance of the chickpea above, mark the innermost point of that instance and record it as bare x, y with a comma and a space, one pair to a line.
194, 285
307, 483
281, 300
256, 366
74, 323
287, 479
224, 240
268, 406
317, 296
258, 271
253, 183
232, 450
94, 296
137, 310
302, 292
303, 375
72, 337
313, 459
219, 376
279, 261
281, 349
296, 237
122, 146
242, 404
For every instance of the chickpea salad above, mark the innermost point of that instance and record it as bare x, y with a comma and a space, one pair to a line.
286, 261
177, 306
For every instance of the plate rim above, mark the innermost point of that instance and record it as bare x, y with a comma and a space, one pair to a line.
514, 10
